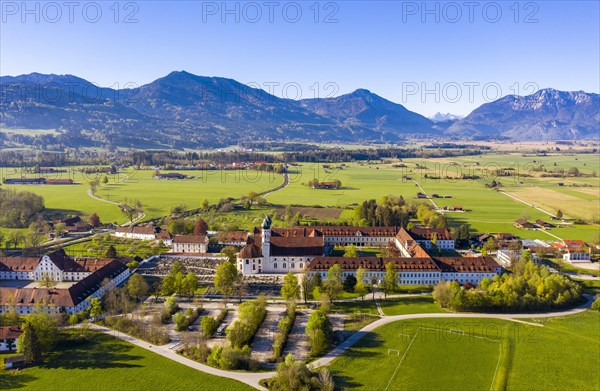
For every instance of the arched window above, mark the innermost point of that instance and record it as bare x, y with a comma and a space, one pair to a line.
292, 265
300, 265
284, 265
274, 266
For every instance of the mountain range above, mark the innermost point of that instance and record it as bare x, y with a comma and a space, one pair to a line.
184, 110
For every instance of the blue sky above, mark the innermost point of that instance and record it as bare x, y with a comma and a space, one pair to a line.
393, 48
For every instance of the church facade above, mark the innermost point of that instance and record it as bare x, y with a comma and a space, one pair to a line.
300, 249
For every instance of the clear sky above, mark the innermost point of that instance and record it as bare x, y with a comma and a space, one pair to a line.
428, 56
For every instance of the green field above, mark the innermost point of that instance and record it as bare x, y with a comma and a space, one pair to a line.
475, 354
105, 363
157, 196
488, 210
409, 305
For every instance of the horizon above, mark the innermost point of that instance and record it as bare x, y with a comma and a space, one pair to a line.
430, 116
422, 57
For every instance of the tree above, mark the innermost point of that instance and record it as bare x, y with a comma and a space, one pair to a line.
200, 227
1, 239
231, 253
59, 230
95, 308
290, 289
73, 319
104, 180
15, 238
349, 283
111, 252
33, 242
319, 332
45, 328
360, 287
434, 246
443, 294
350, 251
225, 279
190, 283
559, 214
47, 281
94, 183
308, 283
291, 375
28, 344
333, 284
137, 286
390, 280
204, 205
209, 325
94, 220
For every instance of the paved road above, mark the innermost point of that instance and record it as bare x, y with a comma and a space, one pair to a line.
253, 379
329, 357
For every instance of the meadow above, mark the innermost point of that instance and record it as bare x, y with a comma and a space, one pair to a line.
487, 210
157, 196
486, 354
106, 363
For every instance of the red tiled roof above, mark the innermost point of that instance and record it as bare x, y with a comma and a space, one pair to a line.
10, 332
466, 264
19, 264
189, 239
373, 263
426, 233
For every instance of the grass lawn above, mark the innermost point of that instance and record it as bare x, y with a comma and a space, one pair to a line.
409, 305
106, 363
366, 306
434, 354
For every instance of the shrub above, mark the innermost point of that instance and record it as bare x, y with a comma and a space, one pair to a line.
284, 327
596, 305
209, 325
320, 332
250, 316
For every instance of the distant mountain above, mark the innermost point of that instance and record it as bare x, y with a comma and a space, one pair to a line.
182, 110
366, 109
545, 115
439, 117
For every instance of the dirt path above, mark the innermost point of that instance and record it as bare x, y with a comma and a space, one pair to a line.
430, 199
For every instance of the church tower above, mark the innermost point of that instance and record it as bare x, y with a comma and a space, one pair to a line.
266, 238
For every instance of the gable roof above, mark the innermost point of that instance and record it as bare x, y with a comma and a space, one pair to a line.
190, 239
427, 233
57, 297
373, 263
466, 264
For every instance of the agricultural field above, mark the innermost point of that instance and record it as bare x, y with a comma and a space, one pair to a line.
486, 354
488, 210
106, 363
157, 196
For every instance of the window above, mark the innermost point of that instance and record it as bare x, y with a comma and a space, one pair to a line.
293, 265
284, 265
274, 266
